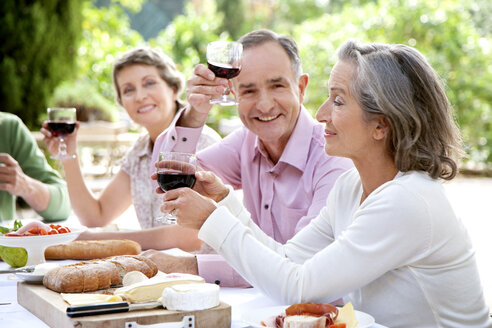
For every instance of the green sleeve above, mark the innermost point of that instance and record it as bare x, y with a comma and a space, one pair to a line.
32, 161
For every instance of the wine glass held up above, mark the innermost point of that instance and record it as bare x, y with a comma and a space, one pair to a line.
175, 170
61, 122
224, 59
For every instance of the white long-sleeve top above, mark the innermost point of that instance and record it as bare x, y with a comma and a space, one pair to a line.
402, 255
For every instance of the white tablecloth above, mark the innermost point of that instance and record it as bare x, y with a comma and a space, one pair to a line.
13, 315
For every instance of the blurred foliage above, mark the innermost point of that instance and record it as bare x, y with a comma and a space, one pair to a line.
443, 31
455, 36
90, 104
38, 51
481, 11
185, 41
106, 33
233, 17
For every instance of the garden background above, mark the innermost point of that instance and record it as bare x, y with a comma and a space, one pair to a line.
60, 53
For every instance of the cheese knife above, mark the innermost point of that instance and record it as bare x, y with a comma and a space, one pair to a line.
105, 308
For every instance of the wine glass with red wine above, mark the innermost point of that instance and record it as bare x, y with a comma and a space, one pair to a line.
224, 59
61, 122
175, 170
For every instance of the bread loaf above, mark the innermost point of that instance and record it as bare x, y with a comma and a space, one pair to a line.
92, 249
96, 274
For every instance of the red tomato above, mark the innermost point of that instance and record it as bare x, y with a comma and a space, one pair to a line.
63, 230
34, 230
340, 325
53, 232
43, 232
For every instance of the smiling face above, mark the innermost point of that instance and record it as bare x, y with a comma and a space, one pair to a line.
147, 98
347, 134
270, 96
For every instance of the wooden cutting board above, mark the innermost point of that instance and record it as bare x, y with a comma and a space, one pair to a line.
49, 306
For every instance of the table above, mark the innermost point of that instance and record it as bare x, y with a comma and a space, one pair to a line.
14, 315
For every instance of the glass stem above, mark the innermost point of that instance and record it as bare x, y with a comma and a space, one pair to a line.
62, 149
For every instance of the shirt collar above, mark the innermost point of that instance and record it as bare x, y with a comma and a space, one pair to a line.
297, 149
144, 147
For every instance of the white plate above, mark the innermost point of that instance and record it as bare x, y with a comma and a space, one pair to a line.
36, 245
39, 271
254, 317
30, 277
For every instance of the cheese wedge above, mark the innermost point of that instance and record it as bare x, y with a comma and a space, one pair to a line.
150, 290
346, 315
191, 297
89, 299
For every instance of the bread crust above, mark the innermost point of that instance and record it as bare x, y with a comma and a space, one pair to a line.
92, 249
96, 274
134, 263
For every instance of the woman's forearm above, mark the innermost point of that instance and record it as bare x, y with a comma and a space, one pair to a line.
92, 211
84, 204
164, 237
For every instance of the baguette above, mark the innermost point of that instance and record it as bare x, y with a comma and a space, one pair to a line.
92, 249
96, 274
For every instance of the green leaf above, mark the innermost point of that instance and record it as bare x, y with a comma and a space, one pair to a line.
17, 226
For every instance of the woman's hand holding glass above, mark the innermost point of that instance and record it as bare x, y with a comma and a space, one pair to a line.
59, 132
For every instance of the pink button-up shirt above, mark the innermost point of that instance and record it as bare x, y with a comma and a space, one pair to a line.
282, 198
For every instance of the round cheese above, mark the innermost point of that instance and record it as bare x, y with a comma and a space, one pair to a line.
191, 297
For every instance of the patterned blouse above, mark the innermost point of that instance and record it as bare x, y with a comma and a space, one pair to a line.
137, 163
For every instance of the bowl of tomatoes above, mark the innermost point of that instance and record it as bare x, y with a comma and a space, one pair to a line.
36, 236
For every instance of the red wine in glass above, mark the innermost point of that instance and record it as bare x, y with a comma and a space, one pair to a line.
61, 128
173, 180
61, 122
223, 70
224, 59
175, 170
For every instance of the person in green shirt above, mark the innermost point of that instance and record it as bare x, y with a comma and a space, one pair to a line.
24, 172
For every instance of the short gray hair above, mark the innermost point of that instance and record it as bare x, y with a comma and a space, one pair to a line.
397, 82
258, 37
152, 57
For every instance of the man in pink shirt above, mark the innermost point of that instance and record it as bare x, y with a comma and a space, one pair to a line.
277, 158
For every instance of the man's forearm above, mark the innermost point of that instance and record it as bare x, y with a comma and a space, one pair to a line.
37, 195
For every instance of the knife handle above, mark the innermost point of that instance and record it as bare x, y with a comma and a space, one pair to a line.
105, 308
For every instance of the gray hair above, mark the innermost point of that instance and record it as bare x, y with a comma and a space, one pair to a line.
152, 57
397, 82
258, 37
